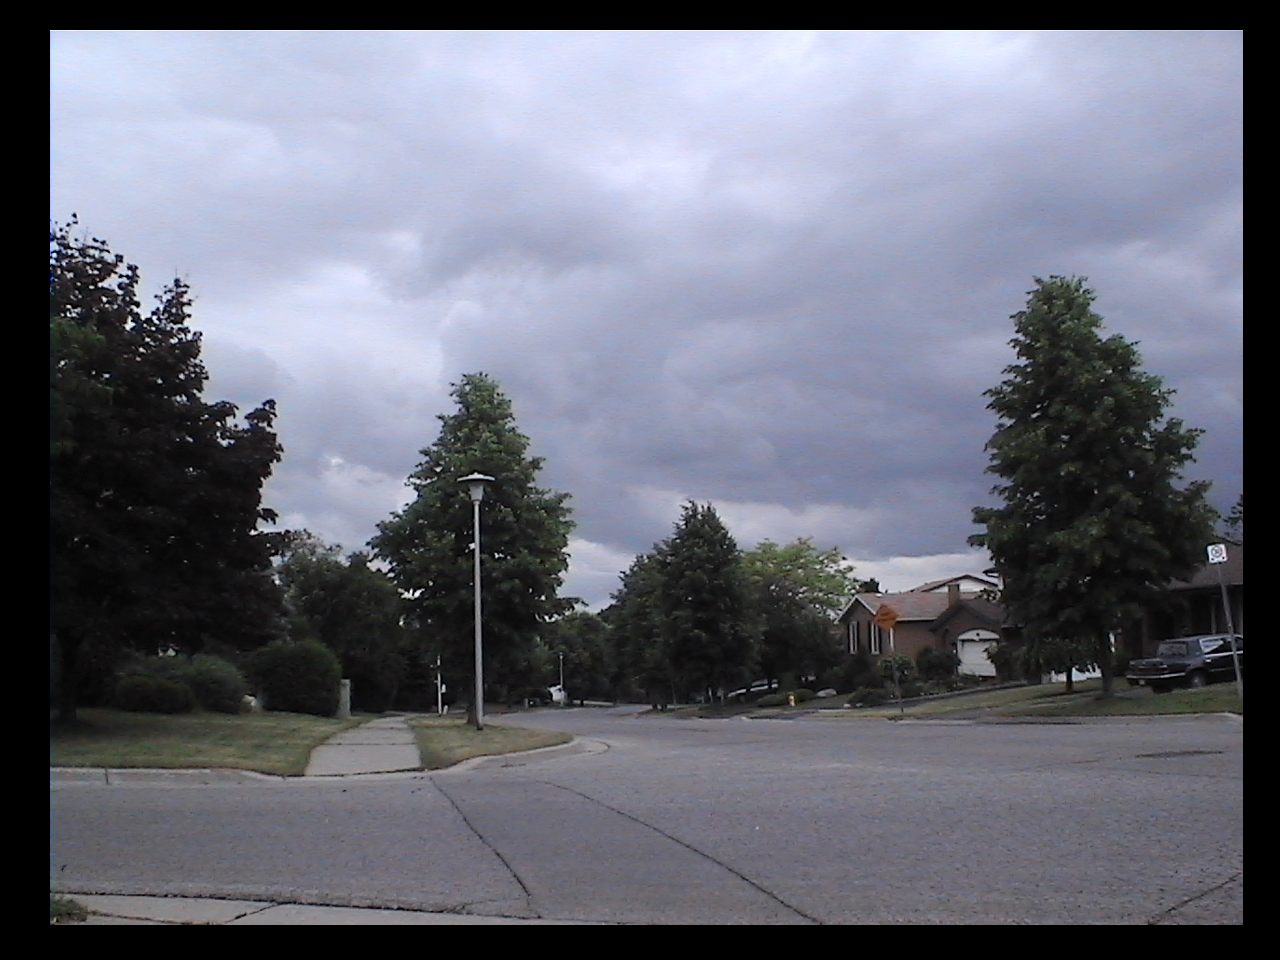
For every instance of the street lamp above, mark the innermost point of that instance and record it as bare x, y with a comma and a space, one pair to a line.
475, 484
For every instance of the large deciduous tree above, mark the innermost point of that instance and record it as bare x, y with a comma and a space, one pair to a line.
796, 590
1095, 516
524, 541
155, 494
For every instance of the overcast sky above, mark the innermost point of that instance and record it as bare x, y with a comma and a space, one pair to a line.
772, 271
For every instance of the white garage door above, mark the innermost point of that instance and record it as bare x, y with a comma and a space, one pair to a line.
972, 646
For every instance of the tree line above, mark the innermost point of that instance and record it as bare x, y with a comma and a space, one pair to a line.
160, 538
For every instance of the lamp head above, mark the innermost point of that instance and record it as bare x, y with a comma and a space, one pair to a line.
475, 484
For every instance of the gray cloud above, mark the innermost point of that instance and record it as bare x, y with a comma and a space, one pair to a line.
770, 270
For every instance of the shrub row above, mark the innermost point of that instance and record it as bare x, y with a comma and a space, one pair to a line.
294, 677
179, 685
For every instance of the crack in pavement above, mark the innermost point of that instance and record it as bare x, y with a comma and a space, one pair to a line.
690, 847
1159, 918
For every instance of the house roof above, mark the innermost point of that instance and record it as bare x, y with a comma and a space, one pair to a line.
986, 610
934, 585
909, 605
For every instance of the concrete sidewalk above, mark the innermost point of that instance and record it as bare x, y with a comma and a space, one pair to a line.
385, 745
194, 911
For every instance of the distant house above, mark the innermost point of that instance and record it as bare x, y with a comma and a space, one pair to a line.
951, 614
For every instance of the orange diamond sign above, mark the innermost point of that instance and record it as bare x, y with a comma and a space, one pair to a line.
886, 617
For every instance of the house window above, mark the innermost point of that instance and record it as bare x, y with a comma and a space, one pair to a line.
877, 638
853, 636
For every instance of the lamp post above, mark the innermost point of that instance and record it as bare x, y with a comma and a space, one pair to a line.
475, 485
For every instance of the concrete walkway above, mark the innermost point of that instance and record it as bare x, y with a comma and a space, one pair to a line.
385, 745
118, 911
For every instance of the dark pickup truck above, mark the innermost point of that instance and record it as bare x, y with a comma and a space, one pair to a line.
1188, 662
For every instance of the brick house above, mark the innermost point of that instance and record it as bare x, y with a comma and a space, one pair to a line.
949, 614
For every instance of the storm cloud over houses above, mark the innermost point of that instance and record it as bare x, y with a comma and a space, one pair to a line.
769, 270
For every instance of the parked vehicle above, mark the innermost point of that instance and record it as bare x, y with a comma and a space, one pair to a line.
757, 689
1188, 662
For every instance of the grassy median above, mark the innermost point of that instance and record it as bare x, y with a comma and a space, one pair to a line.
277, 743
444, 741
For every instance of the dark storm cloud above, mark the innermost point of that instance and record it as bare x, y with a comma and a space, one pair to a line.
769, 270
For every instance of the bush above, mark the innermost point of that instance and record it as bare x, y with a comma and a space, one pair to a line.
868, 697
151, 694
937, 665
802, 694
297, 677
906, 669
217, 684
912, 688
1005, 658
772, 700
857, 671
214, 683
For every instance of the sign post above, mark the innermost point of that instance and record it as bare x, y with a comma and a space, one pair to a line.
1217, 557
886, 618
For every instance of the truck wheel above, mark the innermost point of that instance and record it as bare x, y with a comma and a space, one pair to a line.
1196, 679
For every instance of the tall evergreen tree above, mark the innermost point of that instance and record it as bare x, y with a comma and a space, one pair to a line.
155, 494
636, 630
702, 597
1095, 518
524, 541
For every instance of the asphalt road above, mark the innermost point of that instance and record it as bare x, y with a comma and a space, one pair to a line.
717, 822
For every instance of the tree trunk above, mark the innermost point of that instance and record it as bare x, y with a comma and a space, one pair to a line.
68, 686
1106, 665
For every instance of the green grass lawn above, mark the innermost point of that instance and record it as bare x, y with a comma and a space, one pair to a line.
277, 743
1052, 700
64, 910
1219, 698
444, 741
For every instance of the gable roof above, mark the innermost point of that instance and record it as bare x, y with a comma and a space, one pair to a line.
987, 610
964, 579
909, 605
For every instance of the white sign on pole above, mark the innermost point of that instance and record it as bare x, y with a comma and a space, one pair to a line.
1217, 553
